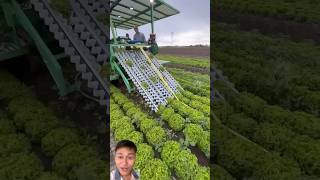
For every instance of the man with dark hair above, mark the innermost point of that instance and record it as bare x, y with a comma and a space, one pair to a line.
138, 36
125, 155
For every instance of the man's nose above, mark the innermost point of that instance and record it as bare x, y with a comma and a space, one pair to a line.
125, 161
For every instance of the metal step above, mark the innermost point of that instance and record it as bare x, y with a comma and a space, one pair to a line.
89, 30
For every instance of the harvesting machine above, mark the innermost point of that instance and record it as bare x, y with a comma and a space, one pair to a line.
135, 63
79, 31
60, 29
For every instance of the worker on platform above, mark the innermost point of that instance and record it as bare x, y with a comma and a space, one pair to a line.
125, 156
128, 37
138, 36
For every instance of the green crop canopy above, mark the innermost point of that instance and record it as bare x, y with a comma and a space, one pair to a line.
126, 14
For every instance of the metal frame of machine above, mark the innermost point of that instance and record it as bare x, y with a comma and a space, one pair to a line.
126, 14
141, 71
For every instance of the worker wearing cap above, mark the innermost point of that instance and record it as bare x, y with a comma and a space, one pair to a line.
138, 36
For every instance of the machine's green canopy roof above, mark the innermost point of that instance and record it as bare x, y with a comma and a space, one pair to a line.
127, 14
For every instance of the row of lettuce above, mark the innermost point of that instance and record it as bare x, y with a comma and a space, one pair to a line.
203, 63
196, 87
300, 11
293, 136
127, 121
280, 71
246, 160
27, 124
198, 84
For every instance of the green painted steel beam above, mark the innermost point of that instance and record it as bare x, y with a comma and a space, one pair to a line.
115, 67
47, 56
12, 54
123, 26
116, 21
113, 30
152, 24
114, 4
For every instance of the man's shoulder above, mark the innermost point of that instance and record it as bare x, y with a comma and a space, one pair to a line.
136, 174
115, 176
112, 173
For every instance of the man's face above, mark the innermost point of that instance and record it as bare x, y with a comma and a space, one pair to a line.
136, 29
125, 159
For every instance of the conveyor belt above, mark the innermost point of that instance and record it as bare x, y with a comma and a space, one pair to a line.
146, 78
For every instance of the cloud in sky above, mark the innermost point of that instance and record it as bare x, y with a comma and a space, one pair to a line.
190, 27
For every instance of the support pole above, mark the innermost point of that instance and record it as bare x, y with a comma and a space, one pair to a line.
152, 27
113, 31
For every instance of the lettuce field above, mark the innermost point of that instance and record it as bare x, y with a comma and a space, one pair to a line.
174, 142
267, 124
37, 144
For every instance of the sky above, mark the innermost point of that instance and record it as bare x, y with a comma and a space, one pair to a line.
190, 27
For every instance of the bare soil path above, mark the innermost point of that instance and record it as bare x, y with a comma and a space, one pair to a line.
187, 51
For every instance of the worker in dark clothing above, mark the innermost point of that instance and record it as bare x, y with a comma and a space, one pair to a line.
128, 37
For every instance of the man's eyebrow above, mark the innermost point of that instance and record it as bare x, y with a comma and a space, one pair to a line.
128, 154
